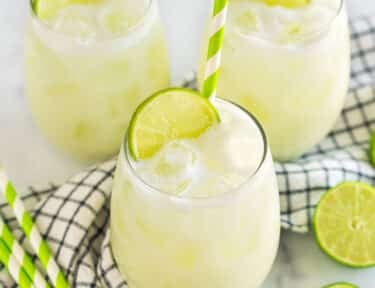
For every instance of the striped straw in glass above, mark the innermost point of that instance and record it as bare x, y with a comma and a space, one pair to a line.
214, 48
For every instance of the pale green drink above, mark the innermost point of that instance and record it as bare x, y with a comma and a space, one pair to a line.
88, 67
202, 212
288, 66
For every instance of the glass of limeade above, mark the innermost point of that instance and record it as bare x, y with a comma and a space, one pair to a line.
88, 65
202, 212
288, 63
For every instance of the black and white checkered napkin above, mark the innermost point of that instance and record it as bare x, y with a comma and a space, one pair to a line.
74, 217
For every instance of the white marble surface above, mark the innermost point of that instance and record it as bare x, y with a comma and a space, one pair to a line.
30, 160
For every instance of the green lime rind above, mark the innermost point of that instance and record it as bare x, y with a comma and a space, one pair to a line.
170, 114
341, 285
46, 9
33, 4
372, 149
348, 227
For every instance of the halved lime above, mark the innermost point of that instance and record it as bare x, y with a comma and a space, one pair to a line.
287, 3
341, 285
46, 9
372, 149
168, 115
344, 224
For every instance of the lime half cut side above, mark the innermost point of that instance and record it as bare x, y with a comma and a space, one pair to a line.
341, 285
344, 224
169, 115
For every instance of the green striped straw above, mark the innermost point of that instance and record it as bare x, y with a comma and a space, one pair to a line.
14, 267
31, 231
214, 48
19, 254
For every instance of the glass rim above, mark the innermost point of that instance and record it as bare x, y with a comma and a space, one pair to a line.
230, 192
148, 12
303, 36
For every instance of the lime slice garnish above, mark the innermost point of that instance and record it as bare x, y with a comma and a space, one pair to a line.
46, 9
344, 224
168, 115
372, 149
341, 285
287, 3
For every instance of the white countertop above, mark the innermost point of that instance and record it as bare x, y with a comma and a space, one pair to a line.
31, 161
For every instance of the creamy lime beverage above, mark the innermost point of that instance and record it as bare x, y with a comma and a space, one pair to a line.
200, 212
288, 63
88, 65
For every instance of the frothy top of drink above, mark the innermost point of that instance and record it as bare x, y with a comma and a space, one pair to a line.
220, 160
282, 24
98, 19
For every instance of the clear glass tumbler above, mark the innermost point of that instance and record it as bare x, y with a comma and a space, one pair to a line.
89, 67
164, 240
288, 66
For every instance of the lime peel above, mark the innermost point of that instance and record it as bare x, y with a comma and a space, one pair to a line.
287, 3
171, 114
343, 224
341, 285
372, 149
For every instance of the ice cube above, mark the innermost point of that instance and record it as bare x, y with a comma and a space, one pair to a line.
113, 19
247, 21
177, 158
226, 148
316, 18
173, 169
118, 16
77, 21
291, 33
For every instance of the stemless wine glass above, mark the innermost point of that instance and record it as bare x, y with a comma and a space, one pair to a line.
89, 67
288, 66
164, 240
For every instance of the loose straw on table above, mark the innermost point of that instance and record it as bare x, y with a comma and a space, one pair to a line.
31, 231
214, 48
14, 267
20, 255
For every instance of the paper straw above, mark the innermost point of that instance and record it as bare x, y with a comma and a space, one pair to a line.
31, 231
14, 267
17, 251
214, 48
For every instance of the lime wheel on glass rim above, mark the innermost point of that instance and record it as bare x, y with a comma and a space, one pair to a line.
341, 285
171, 114
344, 224
46, 9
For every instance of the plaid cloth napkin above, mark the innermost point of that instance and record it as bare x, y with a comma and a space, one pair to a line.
74, 218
